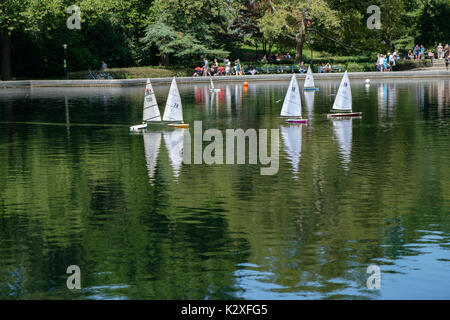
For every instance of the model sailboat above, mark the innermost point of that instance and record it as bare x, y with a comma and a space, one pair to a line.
343, 102
151, 110
172, 113
174, 108
292, 105
211, 87
309, 81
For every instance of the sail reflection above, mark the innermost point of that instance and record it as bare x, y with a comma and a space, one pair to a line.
292, 141
152, 144
309, 102
174, 144
342, 129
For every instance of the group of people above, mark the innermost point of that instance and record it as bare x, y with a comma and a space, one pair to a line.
276, 57
418, 52
325, 68
386, 62
216, 70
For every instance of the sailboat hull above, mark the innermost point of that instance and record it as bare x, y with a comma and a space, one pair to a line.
297, 121
179, 125
345, 115
139, 127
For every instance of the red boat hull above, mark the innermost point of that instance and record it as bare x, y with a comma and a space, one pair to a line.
297, 120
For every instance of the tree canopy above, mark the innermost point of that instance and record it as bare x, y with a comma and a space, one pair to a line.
129, 33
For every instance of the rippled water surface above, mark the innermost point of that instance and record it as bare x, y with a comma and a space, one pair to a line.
76, 188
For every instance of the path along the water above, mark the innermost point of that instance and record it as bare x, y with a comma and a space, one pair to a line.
426, 74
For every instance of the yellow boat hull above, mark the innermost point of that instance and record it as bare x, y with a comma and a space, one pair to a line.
179, 125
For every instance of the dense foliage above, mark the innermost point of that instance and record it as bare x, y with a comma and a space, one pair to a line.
149, 32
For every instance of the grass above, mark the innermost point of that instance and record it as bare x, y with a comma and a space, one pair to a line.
139, 72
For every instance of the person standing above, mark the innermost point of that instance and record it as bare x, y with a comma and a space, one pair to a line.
206, 68
392, 61
422, 52
440, 51
238, 67
227, 67
416, 52
447, 61
380, 62
431, 56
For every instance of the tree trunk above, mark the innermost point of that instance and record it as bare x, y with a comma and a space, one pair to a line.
300, 39
6, 55
164, 59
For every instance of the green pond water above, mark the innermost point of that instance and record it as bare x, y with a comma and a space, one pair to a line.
77, 188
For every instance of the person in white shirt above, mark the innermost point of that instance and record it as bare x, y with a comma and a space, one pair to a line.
380, 62
227, 67
392, 60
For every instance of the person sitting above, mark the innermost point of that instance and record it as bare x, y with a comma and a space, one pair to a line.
252, 71
328, 68
220, 71
104, 67
322, 68
301, 67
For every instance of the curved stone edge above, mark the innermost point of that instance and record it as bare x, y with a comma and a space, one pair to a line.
284, 76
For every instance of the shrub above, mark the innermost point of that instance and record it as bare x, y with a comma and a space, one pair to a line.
355, 67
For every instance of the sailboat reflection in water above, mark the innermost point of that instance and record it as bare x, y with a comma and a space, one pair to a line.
174, 144
292, 141
342, 129
152, 144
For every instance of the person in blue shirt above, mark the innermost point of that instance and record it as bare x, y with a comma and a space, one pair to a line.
422, 52
416, 52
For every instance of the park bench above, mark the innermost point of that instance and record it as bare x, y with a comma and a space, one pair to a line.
337, 68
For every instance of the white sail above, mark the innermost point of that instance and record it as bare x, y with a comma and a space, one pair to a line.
309, 81
343, 131
174, 144
292, 105
174, 109
292, 140
151, 110
343, 99
309, 102
152, 143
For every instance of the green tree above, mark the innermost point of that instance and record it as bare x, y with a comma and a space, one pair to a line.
188, 29
433, 22
288, 19
11, 19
